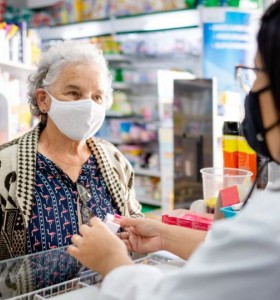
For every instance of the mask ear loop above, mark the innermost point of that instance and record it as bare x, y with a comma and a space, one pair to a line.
260, 171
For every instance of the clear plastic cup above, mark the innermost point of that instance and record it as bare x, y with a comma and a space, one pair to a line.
215, 179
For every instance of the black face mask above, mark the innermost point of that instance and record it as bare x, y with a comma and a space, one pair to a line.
252, 125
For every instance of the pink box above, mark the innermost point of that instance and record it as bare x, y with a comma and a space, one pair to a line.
190, 219
169, 219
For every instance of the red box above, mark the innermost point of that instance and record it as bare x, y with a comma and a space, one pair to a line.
189, 219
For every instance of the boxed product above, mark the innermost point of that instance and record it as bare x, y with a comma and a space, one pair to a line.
190, 219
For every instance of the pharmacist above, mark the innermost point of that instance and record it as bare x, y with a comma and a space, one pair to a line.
241, 258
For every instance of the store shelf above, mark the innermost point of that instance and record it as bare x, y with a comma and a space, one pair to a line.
32, 3
141, 23
117, 114
114, 141
185, 204
120, 115
16, 67
146, 172
121, 86
117, 58
41, 3
136, 118
119, 141
149, 201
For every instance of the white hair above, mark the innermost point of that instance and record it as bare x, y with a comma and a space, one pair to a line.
56, 58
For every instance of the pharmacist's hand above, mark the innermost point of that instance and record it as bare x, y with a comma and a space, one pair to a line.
98, 248
142, 235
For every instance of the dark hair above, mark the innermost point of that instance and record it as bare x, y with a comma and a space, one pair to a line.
269, 48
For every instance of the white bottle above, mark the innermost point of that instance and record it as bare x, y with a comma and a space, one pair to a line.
112, 222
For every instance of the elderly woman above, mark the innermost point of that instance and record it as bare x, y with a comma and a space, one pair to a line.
58, 175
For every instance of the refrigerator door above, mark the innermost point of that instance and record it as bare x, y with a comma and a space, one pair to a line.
194, 137
166, 144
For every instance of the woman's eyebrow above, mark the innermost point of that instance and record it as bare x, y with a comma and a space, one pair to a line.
99, 92
72, 87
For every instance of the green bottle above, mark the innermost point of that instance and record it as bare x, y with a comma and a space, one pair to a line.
212, 3
233, 3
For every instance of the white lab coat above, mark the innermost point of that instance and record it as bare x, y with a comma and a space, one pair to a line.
240, 260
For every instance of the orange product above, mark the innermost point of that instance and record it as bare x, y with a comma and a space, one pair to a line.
247, 157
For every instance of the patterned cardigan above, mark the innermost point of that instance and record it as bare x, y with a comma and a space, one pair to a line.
17, 175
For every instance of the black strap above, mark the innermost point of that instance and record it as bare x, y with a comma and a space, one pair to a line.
259, 173
272, 126
266, 88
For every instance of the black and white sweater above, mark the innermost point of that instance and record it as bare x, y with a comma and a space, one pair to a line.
17, 175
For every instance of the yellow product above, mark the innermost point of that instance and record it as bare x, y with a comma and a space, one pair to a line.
63, 15
210, 204
86, 7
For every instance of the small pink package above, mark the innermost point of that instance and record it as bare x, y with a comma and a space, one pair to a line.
190, 219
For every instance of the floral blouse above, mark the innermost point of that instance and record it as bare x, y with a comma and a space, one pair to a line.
54, 213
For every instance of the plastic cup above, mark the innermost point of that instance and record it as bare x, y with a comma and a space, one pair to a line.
215, 179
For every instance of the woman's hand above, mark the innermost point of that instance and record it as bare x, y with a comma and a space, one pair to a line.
98, 248
142, 235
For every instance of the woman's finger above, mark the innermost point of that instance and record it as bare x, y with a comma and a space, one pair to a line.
128, 245
84, 229
74, 251
75, 239
95, 221
126, 222
123, 235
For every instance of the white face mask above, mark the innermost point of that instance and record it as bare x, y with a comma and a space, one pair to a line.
78, 120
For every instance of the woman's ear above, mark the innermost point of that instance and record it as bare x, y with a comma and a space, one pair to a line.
43, 100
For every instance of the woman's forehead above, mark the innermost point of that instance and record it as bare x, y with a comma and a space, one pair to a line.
80, 76
80, 70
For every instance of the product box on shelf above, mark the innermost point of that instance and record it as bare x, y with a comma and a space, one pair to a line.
3, 5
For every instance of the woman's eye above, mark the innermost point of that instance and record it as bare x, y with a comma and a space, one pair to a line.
73, 93
98, 98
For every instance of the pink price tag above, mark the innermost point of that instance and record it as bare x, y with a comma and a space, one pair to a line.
229, 196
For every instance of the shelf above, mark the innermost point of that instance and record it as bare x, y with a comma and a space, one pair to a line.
146, 172
31, 3
41, 3
117, 58
131, 85
16, 67
149, 201
114, 141
142, 23
120, 115
119, 141
121, 86
134, 117
185, 204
